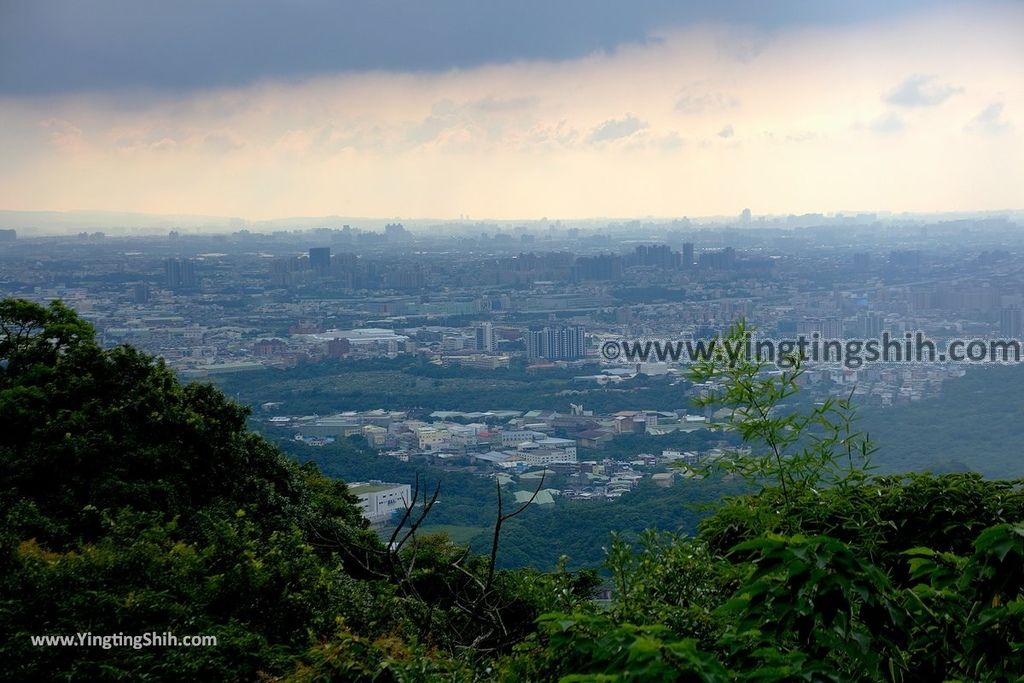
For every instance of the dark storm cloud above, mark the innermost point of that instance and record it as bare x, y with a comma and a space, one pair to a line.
89, 45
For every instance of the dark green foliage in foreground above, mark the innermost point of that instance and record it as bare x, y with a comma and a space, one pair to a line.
133, 504
806, 606
826, 574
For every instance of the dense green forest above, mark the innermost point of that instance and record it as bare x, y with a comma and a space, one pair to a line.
417, 385
133, 503
976, 424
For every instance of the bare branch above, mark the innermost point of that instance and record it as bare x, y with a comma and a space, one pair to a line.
408, 511
427, 506
502, 518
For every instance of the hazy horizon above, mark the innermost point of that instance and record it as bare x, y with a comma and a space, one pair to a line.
57, 223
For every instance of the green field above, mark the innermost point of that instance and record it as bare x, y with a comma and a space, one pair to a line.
463, 535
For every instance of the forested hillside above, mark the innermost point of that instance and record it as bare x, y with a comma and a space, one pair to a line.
415, 384
132, 503
976, 424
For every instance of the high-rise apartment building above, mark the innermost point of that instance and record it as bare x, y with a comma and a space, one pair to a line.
320, 260
688, 261
180, 274
485, 338
557, 343
1010, 322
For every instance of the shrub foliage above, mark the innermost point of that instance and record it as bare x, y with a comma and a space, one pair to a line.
132, 503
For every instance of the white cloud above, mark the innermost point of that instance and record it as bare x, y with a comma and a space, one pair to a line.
921, 91
888, 123
694, 100
63, 134
615, 129
989, 120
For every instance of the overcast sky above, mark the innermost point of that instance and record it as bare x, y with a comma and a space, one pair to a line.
510, 110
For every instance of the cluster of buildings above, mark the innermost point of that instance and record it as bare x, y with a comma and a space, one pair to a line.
382, 503
506, 439
539, 297
488, 297
520, 446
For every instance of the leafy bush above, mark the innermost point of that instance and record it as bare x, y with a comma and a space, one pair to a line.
131, 503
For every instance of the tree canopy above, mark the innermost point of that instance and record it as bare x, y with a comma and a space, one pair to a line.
132, 503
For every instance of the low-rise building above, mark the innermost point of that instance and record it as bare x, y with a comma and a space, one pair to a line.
379, 501
376, 437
